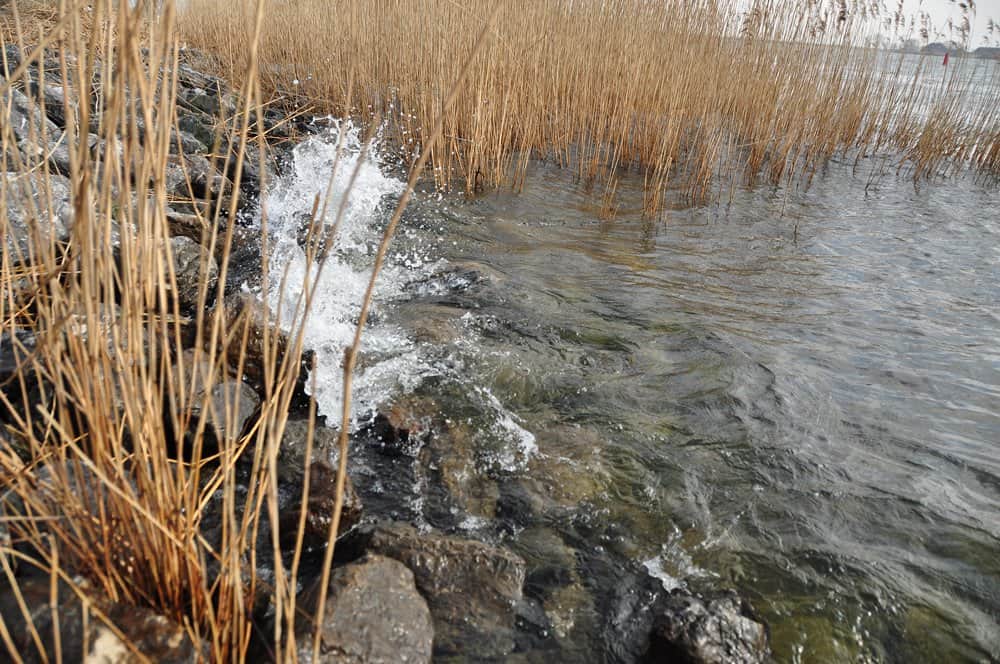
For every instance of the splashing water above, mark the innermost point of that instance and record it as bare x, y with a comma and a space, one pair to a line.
389, 360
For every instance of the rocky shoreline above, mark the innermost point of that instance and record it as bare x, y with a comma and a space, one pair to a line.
397, 592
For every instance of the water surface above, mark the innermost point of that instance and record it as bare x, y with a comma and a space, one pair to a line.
794, 393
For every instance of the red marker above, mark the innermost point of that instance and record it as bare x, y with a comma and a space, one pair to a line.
945, 63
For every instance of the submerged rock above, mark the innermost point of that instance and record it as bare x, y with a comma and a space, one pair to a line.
402, 426
83, 636
472, 588
374, 614
692, 630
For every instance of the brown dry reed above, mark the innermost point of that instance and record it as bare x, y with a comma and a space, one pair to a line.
101, 491
691, 94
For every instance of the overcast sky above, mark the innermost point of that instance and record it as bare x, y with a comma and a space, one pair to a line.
941, 10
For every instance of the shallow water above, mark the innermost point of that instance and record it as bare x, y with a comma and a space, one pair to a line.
794, 394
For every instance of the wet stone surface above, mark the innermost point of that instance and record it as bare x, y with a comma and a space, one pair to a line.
695, 630
374, 615
472, 588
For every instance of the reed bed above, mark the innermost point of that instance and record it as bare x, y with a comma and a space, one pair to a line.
683, 92
106, 469
96, 491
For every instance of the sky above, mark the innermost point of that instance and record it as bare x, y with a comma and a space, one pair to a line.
941, 10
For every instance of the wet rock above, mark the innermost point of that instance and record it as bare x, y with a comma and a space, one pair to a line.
519, 503
472, 588
448, 450
241, 399
553, 578
83, 636
292, 452
30, 207
694, 630
319, 508
569, 479
193, 265
451, 453
402, 426
453, 279
244, 309
534, 630
430, 323
374, 614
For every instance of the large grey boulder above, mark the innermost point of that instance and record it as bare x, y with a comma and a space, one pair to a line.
472, 588
373, 614
35, 205
59, 151
25, 119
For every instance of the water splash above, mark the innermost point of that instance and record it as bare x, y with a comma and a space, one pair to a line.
389, 359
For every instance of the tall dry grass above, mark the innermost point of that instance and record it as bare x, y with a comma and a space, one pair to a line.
95, 483
100, 488
683, 92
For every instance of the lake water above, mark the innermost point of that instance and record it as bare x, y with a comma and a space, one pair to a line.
794, 393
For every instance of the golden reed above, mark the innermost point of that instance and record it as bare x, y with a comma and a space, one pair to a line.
680, 91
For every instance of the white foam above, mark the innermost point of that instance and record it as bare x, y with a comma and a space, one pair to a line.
508, 428
391, 362
673, 566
